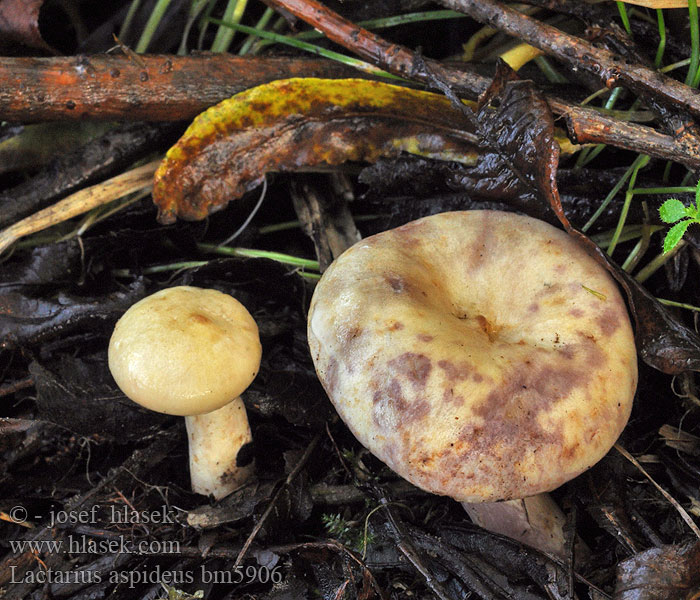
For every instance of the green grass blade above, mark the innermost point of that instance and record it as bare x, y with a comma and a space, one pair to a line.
679, 304
663, 190
639, 163
385, 22
224, 35
286, 259
261, 24
151, 25
283, 39
662, 38
129, 19
622, 9
589, 154
613, 192
196, 8
693, 77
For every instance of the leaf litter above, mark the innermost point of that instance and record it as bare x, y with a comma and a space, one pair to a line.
523, 160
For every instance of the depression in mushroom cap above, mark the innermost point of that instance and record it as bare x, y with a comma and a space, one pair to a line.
481, 355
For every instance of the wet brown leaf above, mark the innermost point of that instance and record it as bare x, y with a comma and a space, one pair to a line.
50, 264
515, 120
19, 24
80, 395
294, 123
667, 573
27, 319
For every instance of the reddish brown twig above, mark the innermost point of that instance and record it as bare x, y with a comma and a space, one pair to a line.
612, 70
165, 88
11, 388
174, 88
392, 57
585, 125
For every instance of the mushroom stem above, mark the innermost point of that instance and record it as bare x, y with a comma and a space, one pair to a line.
215, 439
536, 521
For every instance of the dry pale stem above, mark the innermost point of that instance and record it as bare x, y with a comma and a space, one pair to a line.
536, 521
215, 439
79, 203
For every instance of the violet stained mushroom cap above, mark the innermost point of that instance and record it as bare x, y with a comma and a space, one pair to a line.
481, 355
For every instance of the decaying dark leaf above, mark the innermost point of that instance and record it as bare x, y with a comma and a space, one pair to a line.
395, 181
46, 264
289, 589
238, 506
509, 556
108, 154
38, 144
601, 491
267, 286
19, 24
515, 120
79, 394
27, 320
281, 390
294, 502
293, 123
666, 573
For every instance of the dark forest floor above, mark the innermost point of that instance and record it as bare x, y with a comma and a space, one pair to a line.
94, 491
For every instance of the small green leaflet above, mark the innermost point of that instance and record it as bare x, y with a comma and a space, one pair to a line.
675, 234
674, 211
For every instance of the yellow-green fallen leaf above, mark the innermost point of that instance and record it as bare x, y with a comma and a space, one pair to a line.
294, 123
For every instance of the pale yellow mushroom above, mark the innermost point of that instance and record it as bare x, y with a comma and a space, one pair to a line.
481, 355
191, 351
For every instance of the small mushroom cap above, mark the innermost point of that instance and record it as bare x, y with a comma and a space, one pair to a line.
185, 350
481, 355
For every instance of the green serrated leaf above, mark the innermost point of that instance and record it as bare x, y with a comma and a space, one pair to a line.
672, 210
675, 234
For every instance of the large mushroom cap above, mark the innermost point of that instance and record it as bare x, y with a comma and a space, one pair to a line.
481, 355
185, 350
